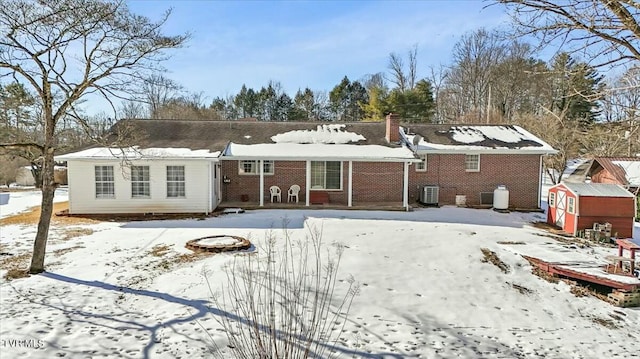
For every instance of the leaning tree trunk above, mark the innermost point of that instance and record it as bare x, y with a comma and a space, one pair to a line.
46, 208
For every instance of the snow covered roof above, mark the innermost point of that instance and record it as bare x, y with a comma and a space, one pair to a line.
318, 151
597, 189
322, 134
474, 138
631, 170
138, 153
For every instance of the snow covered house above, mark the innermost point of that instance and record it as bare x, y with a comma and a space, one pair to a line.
192, 166
466, 163
577, 206
624, 171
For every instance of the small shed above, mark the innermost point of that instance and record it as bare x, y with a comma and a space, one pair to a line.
577, 206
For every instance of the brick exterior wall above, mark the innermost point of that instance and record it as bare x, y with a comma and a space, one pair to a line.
377, 182
286, 173
520, 173
382, 181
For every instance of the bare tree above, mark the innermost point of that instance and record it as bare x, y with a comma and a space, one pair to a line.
158, 91
606, 31
404, 79
65, 50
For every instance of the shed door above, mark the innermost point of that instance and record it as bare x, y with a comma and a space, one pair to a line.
561, 205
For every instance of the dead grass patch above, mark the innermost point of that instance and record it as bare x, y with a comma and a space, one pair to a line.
522, 289
70, 233
492, 257
59, 252
16, 266
159, 250
607, 323
512, 242
32, 216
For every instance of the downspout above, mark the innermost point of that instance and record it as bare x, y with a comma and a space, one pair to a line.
261, 163
405, 187
209, 202
540, 180
308, 183
350, 188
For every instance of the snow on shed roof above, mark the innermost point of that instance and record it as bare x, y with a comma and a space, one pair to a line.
632, 171
597, 189
138, 153
322, 134
492, 138
319, 151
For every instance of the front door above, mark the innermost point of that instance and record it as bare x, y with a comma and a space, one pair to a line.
561, 205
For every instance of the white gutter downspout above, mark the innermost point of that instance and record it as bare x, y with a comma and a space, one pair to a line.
209, 191
540, 184
308, 182
261, 163
350, 188
405, 187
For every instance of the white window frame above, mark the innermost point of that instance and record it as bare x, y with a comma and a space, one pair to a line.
104, 179
176, 181
322, 187
552, 199
467, 162
571, 205
144, 183
422, 165
268, 167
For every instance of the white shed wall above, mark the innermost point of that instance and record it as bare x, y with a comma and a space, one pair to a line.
82, 196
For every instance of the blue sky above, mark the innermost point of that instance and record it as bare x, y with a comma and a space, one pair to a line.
308, 43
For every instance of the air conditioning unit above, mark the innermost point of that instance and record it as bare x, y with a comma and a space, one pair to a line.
429, 195
486, 198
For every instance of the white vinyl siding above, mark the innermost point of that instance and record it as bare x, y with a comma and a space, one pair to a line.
251, 167
140, 182
472, 163
104, 182
175, 182
82, 188
326, 175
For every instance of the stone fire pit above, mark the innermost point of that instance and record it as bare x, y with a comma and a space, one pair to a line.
218, 244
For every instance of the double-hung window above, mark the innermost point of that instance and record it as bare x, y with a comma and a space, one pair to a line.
175, 182
422, 165
472, 163
252, 167
326, 175
552, 199
140, 182
105, 187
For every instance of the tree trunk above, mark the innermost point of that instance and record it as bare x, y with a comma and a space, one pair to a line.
48, 190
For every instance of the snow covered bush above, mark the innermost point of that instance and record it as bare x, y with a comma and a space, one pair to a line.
283, 302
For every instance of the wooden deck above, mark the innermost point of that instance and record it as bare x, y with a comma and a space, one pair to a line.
622, 282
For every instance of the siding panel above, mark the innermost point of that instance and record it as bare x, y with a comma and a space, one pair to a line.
82, 199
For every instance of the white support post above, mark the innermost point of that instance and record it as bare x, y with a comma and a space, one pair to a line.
405, 187
308, 183
261, 164
350, 188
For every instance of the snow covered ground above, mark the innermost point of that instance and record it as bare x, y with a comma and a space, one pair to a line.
425, 292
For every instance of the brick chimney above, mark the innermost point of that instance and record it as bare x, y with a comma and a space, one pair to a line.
393, 128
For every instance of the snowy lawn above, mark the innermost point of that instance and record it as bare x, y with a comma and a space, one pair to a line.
132, 290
